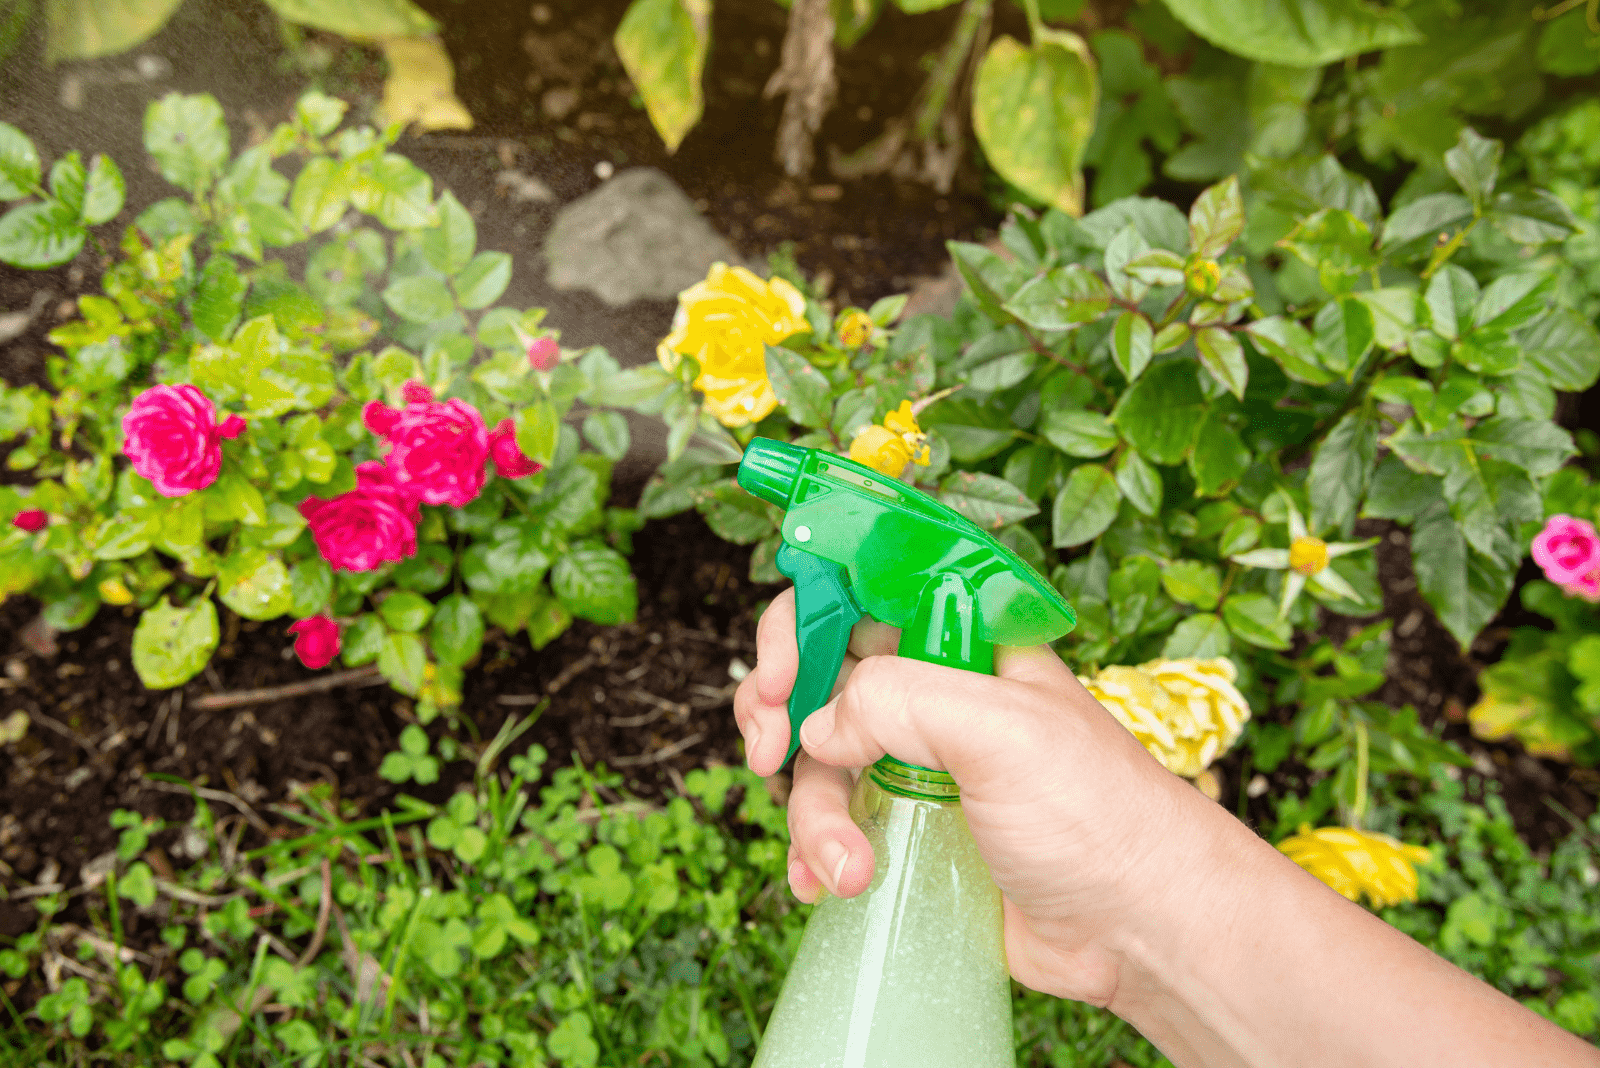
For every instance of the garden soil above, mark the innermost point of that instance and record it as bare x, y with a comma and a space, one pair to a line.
651, 699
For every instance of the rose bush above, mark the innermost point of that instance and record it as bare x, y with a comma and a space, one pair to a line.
312, 447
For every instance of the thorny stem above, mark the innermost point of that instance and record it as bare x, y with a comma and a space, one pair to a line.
1039, 347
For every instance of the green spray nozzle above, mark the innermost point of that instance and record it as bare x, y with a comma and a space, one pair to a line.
856, 542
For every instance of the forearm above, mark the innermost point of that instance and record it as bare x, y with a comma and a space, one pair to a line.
1268, 967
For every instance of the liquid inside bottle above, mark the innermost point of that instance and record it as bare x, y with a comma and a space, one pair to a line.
911, 972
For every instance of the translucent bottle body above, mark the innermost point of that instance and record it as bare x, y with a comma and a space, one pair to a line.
912, 971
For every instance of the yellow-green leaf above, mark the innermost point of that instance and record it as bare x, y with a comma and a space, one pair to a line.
358, 18
83, 29
1033, 109
663, 46
421, 87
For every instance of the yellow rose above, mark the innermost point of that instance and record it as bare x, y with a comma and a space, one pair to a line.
888, 448
725, 323
114, 591
855, 329
1355, 862
1187, 713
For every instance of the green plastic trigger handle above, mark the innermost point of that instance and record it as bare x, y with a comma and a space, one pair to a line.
824, 613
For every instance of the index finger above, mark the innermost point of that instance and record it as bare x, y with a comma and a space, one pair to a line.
777, 652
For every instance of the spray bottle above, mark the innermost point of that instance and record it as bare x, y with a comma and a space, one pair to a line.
912, 971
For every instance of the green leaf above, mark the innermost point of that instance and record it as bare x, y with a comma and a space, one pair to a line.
85, 29
483, 280
403, 660
420, 299
608, 433
100, 365
1061, 300
1201, 636
19, 163
1565, 348
187, 137
255, 584
1514, 300
358, 18
318, 113
362, 641
1342, 469
40, 234
321, 194
218, 298
1451, 297
1345, 333
1033, 110
988, 501
1139, 482
1532, 217
1465, 588
799, 386
538, 431
1536, 445
1085, 506
1161, 412
974, 431
1220, 457
457, 632
1475, 164
735, 514
1337, 245
104, 194
310, 585
663, 45
1427, 217
1216, 219
171, 645
1296, 33
1239, 535
991, 279
1132, 343
396, 192
594, 583
1078, 433
1192, 582
1223, 358
405, 611
448, 247
1292, 347
1254, 618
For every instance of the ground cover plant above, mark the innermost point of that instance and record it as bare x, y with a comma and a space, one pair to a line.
217, 426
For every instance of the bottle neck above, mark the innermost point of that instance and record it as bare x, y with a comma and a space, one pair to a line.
913, 781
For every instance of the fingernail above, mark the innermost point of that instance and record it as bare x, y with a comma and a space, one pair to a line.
751, 737
797, 868
818, 726
835, 856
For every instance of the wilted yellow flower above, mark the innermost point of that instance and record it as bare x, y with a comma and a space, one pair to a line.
1186, 712
113, 591
1308, 555
725, 323
889, 447
1355, 862
855, 329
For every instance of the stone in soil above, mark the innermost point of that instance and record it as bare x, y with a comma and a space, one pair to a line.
636, 237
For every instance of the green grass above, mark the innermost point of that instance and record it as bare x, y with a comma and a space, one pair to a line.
590, 928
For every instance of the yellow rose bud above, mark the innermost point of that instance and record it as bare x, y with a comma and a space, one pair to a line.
1308, 555
1355, 862
1202, 277
725, 323
882, 450
855, 329
113, 591
1187, 713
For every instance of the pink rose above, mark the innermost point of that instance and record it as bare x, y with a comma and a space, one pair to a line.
372, 524
31, 520
1569, 552
543, 353
172, 436
316, 641
415, 392
509, 462
379, 418
1587, 587
437, 450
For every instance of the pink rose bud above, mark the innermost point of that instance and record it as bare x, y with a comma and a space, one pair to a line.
171, 435
509, 461
437, 452
544, 353
31, 520
371, 525
231, 427
316, 641
379, 418
1567, 549
415, 392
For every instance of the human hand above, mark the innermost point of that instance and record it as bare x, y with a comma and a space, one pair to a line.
1089, 839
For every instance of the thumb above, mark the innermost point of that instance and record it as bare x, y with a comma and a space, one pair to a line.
934, 716
1036, 665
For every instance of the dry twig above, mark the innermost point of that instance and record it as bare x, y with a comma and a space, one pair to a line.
361, 676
